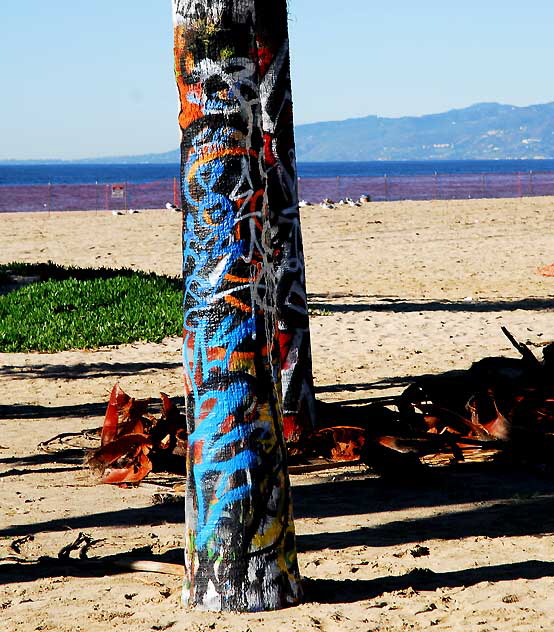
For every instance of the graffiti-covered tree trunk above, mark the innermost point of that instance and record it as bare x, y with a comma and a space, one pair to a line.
239, 542
282, 195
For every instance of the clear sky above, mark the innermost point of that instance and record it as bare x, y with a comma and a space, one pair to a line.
95, 78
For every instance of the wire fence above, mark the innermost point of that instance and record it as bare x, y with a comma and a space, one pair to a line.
125, 196
429, 187
121, 196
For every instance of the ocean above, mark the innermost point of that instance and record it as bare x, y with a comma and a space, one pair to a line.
73, 186
80, 173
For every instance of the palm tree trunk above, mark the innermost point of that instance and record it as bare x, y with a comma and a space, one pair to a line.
282, 196
240, 549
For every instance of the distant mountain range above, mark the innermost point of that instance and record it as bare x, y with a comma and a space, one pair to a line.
483, 131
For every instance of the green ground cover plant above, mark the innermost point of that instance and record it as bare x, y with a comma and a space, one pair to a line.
47, 307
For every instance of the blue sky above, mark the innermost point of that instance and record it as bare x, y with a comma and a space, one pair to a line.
84, 79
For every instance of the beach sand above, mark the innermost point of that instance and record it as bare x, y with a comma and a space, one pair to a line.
397, 290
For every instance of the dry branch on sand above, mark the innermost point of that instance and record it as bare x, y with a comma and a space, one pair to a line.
499, 406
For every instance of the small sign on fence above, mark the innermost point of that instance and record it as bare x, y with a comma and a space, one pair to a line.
118, 191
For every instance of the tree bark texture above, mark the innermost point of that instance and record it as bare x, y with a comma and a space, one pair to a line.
240, 549
282, 198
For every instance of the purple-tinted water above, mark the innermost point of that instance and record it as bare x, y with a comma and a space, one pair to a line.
155, 194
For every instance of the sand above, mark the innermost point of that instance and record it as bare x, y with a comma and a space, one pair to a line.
397, 290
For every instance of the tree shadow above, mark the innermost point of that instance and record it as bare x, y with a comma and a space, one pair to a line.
44, 470
84, 371
117, 564
80, 411
382, 384
153, 515
520, 501
51, 271
69, 456
349, 591
31, 411
524, 505
400, 306
524, 517
328, 591
441, 487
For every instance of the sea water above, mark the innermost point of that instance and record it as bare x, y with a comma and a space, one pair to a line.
81, 173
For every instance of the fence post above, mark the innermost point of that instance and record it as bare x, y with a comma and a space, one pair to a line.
176, 200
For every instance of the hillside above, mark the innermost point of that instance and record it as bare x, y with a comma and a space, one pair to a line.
483, 131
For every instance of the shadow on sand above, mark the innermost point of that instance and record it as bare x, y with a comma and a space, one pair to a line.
399, 306
84, 370
518, 504
349, 590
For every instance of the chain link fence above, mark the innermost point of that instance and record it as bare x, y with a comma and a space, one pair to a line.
126, 196
428, 187
121, 196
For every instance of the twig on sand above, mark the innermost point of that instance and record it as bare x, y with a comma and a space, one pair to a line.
526, 353
63, 441
82, 543
19, 542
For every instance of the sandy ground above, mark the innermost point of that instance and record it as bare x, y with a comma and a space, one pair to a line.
397, 290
